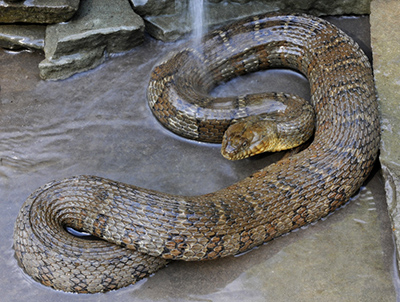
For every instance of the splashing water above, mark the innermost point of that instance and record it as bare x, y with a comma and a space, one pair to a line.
197, 15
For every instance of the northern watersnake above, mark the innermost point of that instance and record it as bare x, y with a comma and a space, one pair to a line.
143, 229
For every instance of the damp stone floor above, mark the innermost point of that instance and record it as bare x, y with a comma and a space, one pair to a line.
99, 123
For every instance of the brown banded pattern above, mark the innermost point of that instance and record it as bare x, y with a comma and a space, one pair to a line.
142, 229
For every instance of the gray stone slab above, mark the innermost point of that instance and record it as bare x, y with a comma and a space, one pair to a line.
385, 38
17, 37
37, 11
83, 43
171, 27
155, 7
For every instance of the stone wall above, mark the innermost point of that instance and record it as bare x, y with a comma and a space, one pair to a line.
175, 24
97, 29
385, 39
79, 34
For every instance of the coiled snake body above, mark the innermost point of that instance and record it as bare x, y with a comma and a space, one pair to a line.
142, 229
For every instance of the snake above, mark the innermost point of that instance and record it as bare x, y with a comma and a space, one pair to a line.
141, 230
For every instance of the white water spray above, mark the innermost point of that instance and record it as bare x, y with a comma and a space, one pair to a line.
197, 15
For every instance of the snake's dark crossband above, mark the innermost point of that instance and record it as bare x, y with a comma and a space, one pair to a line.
153, 227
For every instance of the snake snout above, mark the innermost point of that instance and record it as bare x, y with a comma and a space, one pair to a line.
237, 142
231, 149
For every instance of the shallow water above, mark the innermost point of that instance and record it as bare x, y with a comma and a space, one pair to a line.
99, 123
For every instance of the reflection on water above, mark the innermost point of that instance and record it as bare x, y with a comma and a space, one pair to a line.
99, 123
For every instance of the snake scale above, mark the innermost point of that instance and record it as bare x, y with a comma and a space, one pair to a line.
143, 229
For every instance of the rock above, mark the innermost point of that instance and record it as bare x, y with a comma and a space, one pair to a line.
385, 39
241, 1
323, 7
17, 37
172, 27
96, 30
168, 28
154, 7
43, 11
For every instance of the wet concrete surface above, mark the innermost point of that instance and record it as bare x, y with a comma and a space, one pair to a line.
99, 123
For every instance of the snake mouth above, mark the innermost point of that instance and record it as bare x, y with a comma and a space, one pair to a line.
80, 234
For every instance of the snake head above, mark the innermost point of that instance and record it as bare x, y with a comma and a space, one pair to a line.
247, 138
